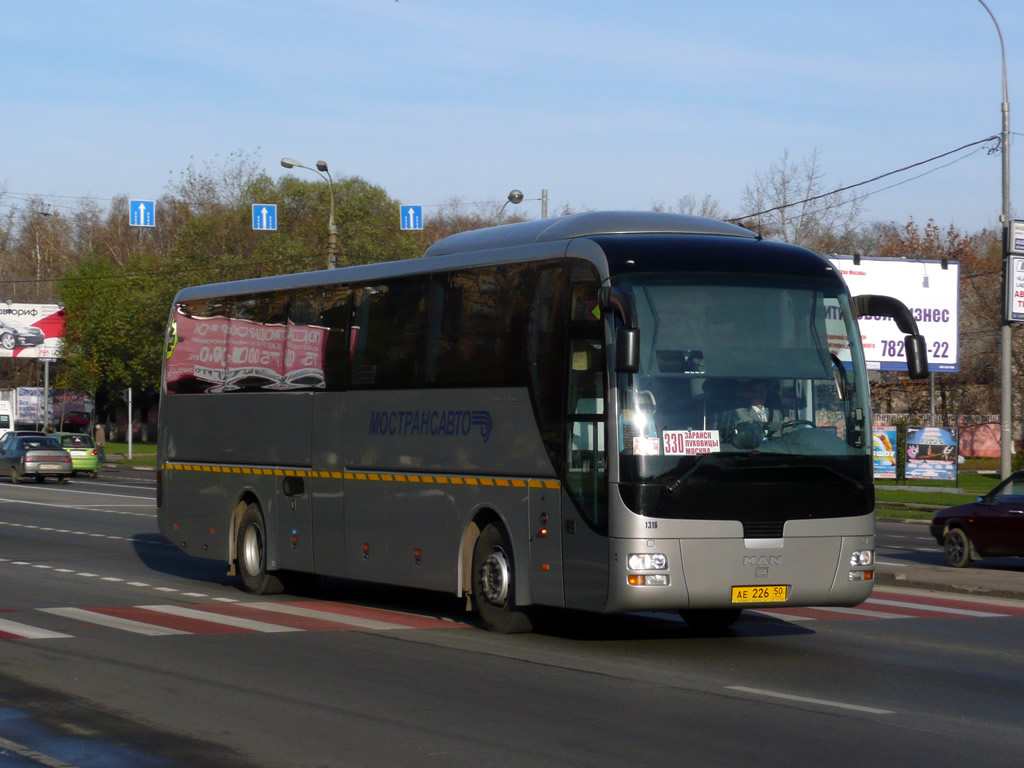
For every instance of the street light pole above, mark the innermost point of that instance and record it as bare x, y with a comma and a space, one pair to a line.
1006, 355
324, 173
516, 197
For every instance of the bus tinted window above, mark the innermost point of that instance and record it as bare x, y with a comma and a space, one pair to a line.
245, 343
476, 327
389, 334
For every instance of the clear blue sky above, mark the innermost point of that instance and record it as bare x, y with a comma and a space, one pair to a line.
605, 104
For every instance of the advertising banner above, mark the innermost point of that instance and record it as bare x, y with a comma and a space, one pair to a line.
70, 409
932, 453
931, 293
217, 354
31, 330
883, 450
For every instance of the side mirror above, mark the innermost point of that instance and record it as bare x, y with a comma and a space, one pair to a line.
917, 356
627, 350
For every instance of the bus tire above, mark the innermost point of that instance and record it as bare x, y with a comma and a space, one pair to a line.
494, 584
710, 621
252, 554
957, 548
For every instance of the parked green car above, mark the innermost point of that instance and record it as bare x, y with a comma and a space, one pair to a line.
85, 456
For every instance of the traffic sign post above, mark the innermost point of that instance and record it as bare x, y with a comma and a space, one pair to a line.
411, 217
1014, 276
264, 216
142, 213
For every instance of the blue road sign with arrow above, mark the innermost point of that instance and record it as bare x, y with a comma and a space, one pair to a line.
142, 213
264, 216
412, 216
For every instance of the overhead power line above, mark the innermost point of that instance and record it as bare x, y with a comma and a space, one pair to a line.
866, 181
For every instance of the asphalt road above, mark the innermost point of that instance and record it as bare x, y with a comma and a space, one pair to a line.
117, 650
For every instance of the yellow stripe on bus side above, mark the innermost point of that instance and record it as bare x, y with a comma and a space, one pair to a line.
488, 482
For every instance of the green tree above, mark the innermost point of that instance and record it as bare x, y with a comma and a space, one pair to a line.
114, 324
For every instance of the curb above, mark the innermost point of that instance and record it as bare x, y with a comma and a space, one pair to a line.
969, 581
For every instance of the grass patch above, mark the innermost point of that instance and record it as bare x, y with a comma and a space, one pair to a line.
896, 512
143, 454
899, 502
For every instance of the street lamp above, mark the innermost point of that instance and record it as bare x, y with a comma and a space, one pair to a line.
516, 197
332, 231
1006, 396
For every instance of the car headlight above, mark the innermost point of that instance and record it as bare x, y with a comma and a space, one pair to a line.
862, 557
645, 562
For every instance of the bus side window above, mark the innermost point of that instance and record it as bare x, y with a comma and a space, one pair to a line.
334, 314
390, 346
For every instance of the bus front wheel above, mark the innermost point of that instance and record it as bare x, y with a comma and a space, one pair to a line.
252, 554
494, 584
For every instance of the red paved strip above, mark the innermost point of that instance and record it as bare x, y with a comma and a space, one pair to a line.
411, 620
183, 623
948, 602
242, 611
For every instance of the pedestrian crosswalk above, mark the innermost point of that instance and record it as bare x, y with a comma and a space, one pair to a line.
884, 604
219, 618
273, 617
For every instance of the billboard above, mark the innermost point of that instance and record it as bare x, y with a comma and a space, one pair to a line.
931, 293
31, 330
932, 453
883, 451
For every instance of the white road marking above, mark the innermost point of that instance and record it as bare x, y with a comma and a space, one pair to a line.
338, 618
114, 622
30, 633
809, 700
231, 621
935, 608
82, 493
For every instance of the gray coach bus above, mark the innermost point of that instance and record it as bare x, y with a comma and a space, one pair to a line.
552, 413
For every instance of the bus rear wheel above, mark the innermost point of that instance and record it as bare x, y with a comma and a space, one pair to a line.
494, 584
252, 554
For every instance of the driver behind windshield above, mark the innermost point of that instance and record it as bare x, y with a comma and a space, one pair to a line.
754, 421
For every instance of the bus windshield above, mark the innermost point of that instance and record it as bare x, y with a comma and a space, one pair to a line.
742, 374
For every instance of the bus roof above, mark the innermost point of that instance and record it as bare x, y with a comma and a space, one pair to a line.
585, 225
486, 246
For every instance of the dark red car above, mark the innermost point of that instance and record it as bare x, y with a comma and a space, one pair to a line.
992, 525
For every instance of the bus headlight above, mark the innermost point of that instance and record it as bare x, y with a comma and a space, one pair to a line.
862, 557
645, 562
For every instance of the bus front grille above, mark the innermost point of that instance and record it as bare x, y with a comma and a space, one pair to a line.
763, 529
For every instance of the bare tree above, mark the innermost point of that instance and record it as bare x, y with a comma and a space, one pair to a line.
790, 202
706, 206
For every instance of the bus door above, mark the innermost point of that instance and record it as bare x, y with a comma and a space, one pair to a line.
585, 526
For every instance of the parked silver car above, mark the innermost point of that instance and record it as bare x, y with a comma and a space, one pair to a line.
38, 457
